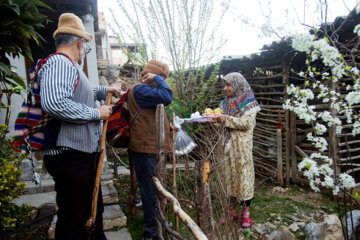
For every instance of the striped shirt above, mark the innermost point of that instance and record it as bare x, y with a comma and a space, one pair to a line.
57, 80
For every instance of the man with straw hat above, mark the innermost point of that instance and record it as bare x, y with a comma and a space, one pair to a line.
71, 146
147, 93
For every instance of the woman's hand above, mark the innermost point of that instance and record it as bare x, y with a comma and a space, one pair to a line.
220, 119
172, 127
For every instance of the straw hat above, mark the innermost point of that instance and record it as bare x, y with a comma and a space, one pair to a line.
71, 24
156, 67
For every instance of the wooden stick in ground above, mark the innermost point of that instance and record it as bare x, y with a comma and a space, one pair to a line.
279, 154
194, 229
91, 222
133, 185
279, 157
160, 140
174, 168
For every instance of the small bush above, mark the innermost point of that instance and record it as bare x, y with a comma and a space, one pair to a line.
10, 186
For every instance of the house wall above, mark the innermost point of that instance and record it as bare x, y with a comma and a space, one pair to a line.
88, 21
16, 100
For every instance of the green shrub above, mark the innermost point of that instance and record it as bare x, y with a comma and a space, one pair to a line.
10, 186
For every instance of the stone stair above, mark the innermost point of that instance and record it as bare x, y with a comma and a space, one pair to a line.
43, 196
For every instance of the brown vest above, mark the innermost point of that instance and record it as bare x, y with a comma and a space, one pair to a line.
143, 130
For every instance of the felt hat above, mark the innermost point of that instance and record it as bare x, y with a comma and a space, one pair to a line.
156, 67
71, 24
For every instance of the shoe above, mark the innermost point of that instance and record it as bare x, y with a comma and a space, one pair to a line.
232, 216
246, 221
137, 201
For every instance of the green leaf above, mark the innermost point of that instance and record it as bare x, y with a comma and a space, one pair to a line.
356, 195
5, 68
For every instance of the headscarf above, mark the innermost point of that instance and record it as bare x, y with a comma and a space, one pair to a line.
242, 101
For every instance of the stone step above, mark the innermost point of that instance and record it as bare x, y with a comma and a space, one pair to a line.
36, 200
48, 184
122, 234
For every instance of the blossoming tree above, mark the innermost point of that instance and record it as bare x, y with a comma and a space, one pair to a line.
326, 66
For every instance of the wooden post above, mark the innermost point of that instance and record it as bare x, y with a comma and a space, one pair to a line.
174, 168
334, 141
90, 224
285, 71
133, 185
279, 152
294, 165
187, 167
202, 198
160, 139
279, 157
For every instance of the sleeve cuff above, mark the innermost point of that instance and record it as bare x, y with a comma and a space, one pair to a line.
103, 88
227, 119
158, 80
95, 114
100, 88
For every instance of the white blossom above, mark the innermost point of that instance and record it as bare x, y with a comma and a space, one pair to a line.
354, 70
346, 180
326, 170
319, 142
353, 98
325, 158
307, 93
328, 182
313, 186
320, 128
338, 129
302, 42
306, 163
336, 190
357, 30
318, 167
356, 128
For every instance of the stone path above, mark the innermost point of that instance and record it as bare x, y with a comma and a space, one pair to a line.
122, 234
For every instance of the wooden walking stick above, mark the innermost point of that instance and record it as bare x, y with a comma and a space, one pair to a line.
90, 224
174, 167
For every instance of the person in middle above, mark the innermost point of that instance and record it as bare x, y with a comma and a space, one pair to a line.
239, 108
147, 93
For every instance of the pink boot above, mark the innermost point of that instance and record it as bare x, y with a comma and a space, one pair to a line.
246, 220
232, 216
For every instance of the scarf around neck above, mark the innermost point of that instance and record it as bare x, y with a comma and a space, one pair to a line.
242, 102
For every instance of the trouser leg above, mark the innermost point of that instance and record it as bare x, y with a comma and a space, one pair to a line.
145, 170
74, 174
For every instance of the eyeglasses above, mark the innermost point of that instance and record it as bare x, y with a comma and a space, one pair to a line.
87, 47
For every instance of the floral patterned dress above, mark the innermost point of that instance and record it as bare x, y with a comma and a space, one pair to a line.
237, 159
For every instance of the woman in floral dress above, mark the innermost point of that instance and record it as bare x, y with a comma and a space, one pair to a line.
239, 108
